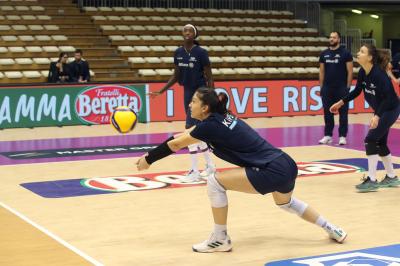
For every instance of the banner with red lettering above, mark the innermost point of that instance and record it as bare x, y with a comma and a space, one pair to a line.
253, 99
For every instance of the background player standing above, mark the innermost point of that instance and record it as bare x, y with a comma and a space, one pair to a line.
335, 77
192, 71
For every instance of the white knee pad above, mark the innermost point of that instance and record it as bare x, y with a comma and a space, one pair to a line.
203, 146
193, 148
216, 193
295, 206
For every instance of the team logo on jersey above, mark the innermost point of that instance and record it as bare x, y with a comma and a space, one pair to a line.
143, 182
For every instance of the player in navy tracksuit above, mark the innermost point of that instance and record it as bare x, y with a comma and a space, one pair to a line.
380, 95
335, 77
192, 71
262, 167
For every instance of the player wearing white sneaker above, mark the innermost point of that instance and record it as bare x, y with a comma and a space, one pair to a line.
263, 168
335, 77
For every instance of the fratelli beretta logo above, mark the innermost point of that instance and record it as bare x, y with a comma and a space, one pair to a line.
96, 104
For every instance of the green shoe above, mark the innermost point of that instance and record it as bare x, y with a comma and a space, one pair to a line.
390, 182
367, 185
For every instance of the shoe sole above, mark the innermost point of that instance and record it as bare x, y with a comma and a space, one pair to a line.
390, 185
340, 241
367, 190
212, 250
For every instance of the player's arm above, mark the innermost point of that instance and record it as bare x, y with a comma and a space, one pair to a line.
172, 80
349, 66
321, 74
165, 149
209, 77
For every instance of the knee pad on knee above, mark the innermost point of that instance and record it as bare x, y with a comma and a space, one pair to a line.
371, 148
216, 193
193, 148
295, 206
383, 150
203, 146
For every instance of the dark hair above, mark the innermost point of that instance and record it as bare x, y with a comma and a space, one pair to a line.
78, 51
338, 34
380, 57
61, 55
216, 103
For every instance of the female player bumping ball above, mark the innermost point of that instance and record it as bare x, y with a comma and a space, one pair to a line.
263, 168
381, 96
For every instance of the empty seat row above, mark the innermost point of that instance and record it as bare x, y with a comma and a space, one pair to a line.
230, 48
229, 59
28, 27
187, 10
30, 61
36, 49
25, 17
28, 38
198, 19
167, 28
29, 74
21, 8
240, 71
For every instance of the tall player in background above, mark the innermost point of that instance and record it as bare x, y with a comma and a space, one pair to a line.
335, 77
192, 71
378, 90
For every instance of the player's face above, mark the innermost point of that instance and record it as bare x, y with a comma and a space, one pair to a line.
78, 56
363, 56
188, 33
334, 39
197, 109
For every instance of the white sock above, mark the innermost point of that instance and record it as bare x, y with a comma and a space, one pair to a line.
220, 231
321, 221
207, 156
193, 156
387, 162
372, 164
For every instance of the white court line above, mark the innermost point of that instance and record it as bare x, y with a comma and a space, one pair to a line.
50, 234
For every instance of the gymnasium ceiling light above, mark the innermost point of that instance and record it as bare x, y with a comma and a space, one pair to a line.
356, 11
374, 16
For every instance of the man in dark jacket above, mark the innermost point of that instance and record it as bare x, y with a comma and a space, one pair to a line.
79, 68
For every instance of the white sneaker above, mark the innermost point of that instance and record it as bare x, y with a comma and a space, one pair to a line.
342, 141
336, 233
209, 170
212, 244
191, 177
325, 140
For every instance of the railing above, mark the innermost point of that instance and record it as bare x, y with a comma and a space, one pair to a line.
302, 9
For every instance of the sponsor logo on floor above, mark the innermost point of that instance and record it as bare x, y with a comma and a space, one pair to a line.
143, 182
379, 256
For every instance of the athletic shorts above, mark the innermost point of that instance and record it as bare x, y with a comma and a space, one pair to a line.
278, 175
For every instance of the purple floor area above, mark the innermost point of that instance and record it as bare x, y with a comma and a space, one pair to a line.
280, 137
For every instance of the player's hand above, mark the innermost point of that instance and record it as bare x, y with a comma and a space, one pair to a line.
142, 164
154, 94
374, 122
336, 106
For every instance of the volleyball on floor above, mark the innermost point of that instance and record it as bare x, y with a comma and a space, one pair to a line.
123, 119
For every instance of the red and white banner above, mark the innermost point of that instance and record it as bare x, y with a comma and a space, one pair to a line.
253, 99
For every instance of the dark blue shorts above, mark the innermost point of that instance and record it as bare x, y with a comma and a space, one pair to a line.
279, 175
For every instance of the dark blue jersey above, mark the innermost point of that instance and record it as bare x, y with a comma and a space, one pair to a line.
378, 90
335, 67
234, 141
191, 66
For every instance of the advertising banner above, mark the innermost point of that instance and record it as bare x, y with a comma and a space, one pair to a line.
68, 105
253, 99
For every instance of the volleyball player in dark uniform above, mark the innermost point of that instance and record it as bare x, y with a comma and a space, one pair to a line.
262, 167
381, 96
335, 77
192, 71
